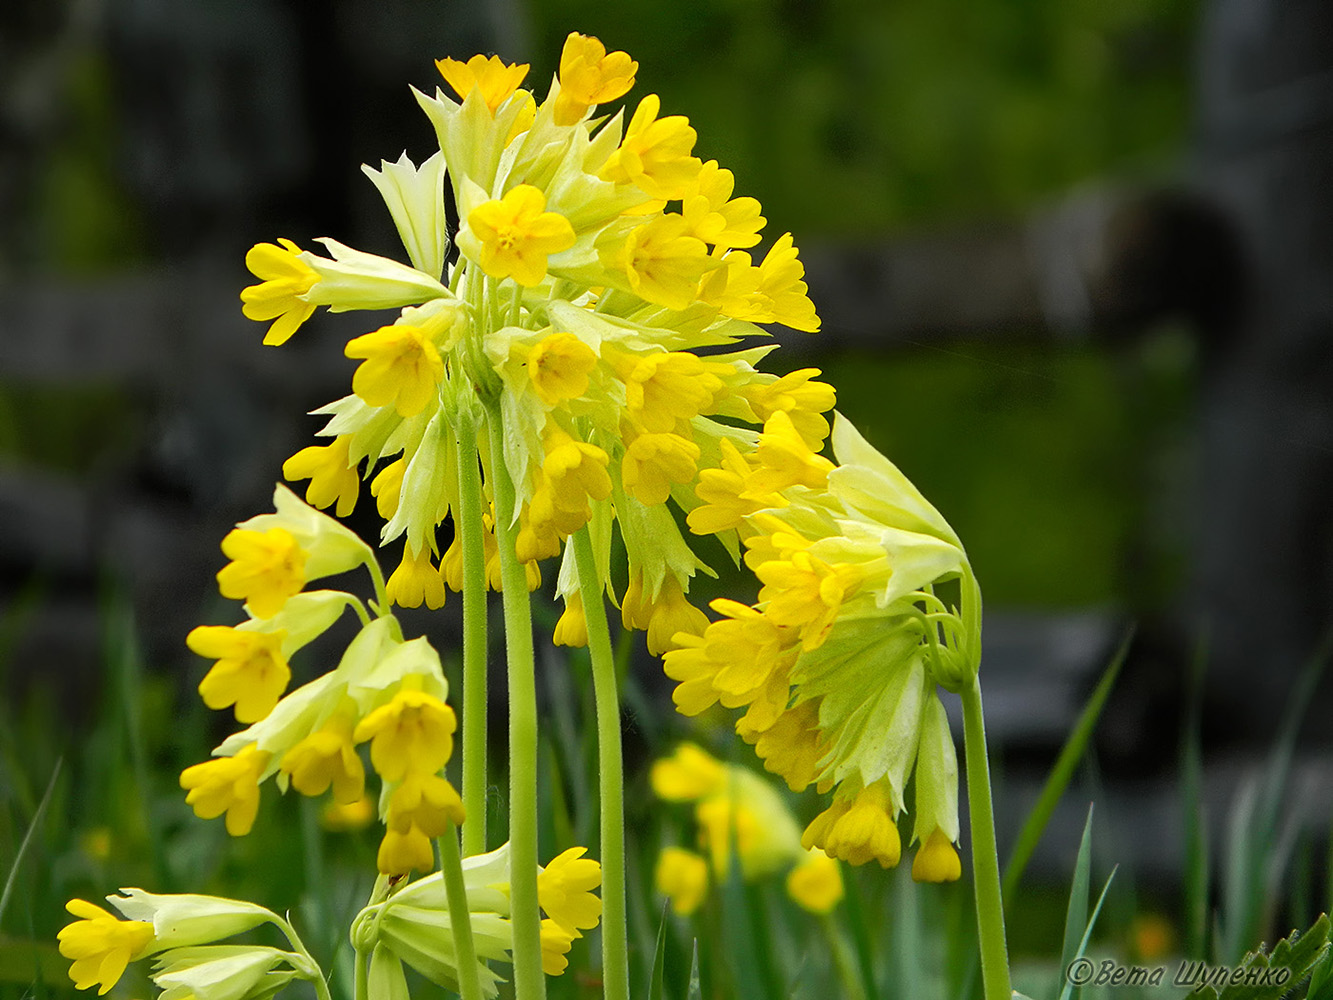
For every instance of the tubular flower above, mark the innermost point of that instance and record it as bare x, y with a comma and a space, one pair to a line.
712, 216
655, 154
327, 758
416, 580
280, 295
401, 368
590, 75
564, 890
663, 262
559, 367
266, 569
101, 945
517, 235
227, 784
420, 808
251, 671
413, 733
331, 472
556, 942
495, 79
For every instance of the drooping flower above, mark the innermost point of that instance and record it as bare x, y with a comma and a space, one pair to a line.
227, 785
251, 671
564, 890
101, 945
280, 296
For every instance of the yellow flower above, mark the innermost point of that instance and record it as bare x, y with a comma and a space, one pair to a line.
401, 368
517, 234
806, 593
559, 367
415, 580
564, 890
251, 672
687, 775
816, 883
590, 75
936, 860
572, 628
341, 817
491, 75
101, 945
327, 757
664, 617
861, 829
664, 388
425, 801
727, 500
681, 876
655, 153
556, 942
387, 488
266, 568
713, 217
332, 474
662, 261
800, 397
280, 294
404, 851
653, 462
227, 784
575, 471
413, 732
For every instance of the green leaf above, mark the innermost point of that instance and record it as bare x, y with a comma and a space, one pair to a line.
1061, 774
695, 991
1087, 933
27, 839
1302, 954
1076, 918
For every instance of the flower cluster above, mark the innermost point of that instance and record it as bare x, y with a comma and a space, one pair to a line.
839, 662
734, 806
599, 273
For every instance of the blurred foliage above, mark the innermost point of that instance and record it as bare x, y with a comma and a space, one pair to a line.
853, 117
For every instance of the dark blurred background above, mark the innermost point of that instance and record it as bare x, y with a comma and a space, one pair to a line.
1072, 257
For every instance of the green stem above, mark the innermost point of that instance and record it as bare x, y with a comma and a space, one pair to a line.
377, 578
985, 856
471, 540
460, 916
529, 980
610, 767
843, 963
361, 987
298, 946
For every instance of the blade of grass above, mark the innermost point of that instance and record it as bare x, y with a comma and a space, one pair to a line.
27, 839
865, 952
1068, 991
695, 990
907, 924
659, 959
1063, 771
1076, 919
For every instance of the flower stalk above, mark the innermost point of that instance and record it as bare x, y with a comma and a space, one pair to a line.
451, 864
985, 855
470, 532
610, 770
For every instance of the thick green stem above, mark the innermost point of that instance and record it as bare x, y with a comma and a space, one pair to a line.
611, 778
985, 856
472, 542
361, 988
460, 915
529, 980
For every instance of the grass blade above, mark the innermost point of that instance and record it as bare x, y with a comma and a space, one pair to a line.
27, 839
1062, 773
1076, 920
1087, 934
659, 959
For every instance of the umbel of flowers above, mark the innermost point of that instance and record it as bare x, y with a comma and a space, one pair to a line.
565, 369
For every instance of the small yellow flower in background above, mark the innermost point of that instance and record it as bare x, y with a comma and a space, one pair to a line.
101, 945
266, 568
416, 580
689, 774
590, 75
1151, 936
517, 235
413, 732
327, 757
227, 784
816, 883
556, 942
345, 817
559, 367
655, 153
279, 296
564, 890
251, 672
96, 843
402, 368
495, 78
681, 876
332, 475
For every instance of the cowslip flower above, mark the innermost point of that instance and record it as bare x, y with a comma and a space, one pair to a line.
495, 79
284, 281
517, 235
227, 785
101, 945
839, 662
590, 75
